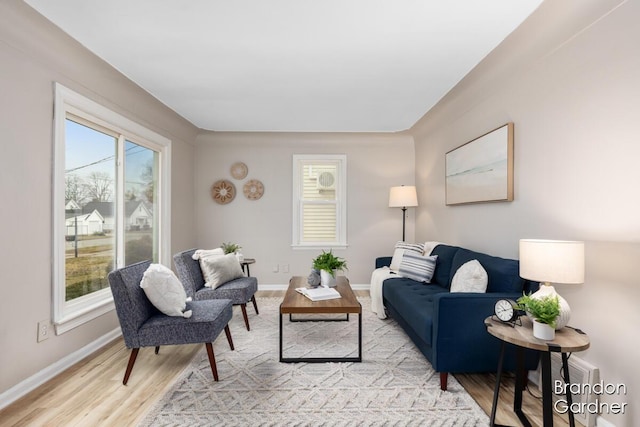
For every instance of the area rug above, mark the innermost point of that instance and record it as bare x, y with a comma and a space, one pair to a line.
393, 386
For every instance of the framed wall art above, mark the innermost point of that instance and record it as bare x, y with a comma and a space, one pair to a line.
482, 169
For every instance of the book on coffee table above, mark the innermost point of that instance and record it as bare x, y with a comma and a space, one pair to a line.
319, 294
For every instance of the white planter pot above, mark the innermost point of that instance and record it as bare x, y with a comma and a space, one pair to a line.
327, 280
240, 256
543, 331
565, 311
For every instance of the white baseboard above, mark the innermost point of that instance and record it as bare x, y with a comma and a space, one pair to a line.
272, 287
283, 287
39, 378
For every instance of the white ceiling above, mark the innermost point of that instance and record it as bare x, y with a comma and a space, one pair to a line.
292, 65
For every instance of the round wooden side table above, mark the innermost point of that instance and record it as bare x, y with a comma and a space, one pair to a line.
245, 263
567, 340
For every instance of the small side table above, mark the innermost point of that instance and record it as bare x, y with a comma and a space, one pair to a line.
245, 263
567, 340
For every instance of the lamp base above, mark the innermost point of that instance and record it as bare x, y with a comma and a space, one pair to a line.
565, 311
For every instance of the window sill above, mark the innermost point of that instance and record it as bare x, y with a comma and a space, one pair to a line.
82, 315
319, 247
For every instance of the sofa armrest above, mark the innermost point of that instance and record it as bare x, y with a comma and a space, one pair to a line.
384, 261
460, 341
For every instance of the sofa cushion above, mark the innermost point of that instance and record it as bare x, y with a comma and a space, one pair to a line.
218, 270
204, 253
400, 249
416, 301
442, 275
239, 291
503, 274
165, 291
470, 277
417, 267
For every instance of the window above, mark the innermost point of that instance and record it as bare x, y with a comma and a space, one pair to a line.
319, 201
111, 204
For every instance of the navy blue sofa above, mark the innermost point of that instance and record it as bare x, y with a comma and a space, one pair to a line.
448, 328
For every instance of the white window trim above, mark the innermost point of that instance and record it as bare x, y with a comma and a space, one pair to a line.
68, 315
341, 214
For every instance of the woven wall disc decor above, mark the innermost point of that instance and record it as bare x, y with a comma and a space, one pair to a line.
223, 191
253, 189
239, 170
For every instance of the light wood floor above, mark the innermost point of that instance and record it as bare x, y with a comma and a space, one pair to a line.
91, 392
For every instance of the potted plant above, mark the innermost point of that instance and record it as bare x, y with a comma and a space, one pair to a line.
233, 248
544, 310
327, 264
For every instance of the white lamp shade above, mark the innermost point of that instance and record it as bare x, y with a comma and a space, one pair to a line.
553, 261
403, 196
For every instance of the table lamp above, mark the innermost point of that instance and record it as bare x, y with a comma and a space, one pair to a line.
403, 197
552, 261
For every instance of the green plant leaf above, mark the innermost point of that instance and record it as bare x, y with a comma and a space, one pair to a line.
545, 309
329, 262
230, 248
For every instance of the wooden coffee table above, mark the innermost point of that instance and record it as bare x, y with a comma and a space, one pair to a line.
296, 303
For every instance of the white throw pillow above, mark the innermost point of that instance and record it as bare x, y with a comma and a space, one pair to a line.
218, 270
201, 253
470, 277
399, 251
165, 291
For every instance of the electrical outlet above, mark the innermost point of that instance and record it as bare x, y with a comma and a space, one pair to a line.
44, 330
285, 268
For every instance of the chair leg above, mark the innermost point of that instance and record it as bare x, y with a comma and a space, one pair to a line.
157, 349
255, 304
244, 314
228, 333
132, 360
212, 360
443, 380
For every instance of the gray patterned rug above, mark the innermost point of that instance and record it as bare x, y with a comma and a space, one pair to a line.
393, 386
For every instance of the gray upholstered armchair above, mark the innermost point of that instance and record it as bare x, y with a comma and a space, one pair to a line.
240, 291
144, 326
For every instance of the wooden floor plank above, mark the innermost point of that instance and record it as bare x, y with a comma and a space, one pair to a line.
91, 392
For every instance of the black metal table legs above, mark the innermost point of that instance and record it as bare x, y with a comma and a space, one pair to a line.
323, 359
547, 388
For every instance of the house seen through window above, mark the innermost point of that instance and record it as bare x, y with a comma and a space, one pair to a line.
91, 200
108, 211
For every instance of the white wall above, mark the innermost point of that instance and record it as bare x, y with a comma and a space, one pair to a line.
569, 80
34, 54
375, 163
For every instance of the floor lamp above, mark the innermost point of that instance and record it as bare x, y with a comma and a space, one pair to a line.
404, 197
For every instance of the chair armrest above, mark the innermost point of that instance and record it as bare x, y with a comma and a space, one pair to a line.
384, 261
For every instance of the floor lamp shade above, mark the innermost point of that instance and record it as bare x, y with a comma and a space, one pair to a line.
404, 196
552, 261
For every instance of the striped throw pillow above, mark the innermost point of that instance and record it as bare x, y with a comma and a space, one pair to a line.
400, 249
418, 267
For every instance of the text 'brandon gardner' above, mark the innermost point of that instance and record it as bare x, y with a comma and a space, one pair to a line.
562, 406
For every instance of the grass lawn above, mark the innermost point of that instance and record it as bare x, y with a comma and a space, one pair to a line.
88, 272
